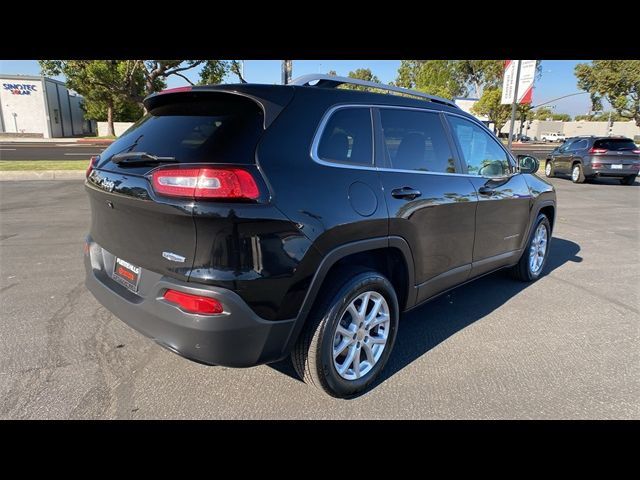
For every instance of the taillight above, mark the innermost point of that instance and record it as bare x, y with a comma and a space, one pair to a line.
194, 303
92, 164
637, 152
598, 150
223, 183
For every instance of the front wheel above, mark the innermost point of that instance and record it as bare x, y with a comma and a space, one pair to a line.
628, 180
349, 335
534, 257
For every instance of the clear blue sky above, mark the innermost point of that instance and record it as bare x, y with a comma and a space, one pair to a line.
557, 77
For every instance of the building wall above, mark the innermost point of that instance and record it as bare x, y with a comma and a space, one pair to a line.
42, 106
119, 128
25, 99
55, 115
79, 123
572, 129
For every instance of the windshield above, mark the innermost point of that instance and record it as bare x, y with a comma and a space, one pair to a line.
209, 131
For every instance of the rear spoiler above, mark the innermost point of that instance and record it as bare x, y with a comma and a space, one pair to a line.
272, 99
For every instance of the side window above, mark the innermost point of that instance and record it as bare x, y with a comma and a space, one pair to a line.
347, 137
565, 146
579, 145
480, 150
416, 141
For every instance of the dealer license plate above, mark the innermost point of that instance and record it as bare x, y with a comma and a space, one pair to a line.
126, 274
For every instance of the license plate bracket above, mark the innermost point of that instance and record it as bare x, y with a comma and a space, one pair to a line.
126, 274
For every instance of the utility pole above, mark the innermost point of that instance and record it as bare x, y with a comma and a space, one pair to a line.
514, 105
609, 126
286, 71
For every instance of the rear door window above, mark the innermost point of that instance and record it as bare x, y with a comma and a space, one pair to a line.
213, 130
615, 144
579, 145
347, 137
416, 141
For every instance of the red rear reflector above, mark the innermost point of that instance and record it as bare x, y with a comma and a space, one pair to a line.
194, 303
598, 150
226, 183
175, 90
92, 164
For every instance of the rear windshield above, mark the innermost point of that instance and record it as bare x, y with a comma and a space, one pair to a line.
615, 144
198, 130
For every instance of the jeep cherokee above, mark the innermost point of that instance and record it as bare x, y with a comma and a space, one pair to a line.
238, 224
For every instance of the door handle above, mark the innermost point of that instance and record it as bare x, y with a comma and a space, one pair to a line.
486, 191
408, 193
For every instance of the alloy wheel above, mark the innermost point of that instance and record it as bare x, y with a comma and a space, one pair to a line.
538, 249
361, 335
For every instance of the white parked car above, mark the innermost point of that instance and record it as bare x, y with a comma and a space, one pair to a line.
553, 137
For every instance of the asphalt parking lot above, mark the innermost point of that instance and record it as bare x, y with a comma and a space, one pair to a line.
567, 346
48, 151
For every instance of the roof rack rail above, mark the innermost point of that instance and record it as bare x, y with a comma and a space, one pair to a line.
331, 81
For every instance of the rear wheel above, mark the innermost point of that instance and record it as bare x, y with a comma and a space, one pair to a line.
534, 257
349, 335
628, 180
577, 175
548, 169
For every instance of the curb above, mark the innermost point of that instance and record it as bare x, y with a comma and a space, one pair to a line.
43, 175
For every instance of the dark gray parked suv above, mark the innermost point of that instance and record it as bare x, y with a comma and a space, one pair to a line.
585, 158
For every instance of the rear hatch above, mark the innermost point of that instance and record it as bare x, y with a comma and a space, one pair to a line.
183, 131
619, 152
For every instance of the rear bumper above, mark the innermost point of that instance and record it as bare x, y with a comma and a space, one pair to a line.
237, 338
608, 172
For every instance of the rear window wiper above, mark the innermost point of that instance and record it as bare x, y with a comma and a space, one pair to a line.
139, 158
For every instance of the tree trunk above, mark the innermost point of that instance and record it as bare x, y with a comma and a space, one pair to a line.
111, 131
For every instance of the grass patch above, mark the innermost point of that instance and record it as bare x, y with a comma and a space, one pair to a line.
42, 165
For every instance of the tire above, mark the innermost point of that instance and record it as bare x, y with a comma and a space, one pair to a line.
628, 180
523, 269
577, 177
548, 169
313, 354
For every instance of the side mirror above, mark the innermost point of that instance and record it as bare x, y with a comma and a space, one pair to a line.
528, 164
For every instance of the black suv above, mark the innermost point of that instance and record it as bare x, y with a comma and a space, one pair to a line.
239, 224
586, 158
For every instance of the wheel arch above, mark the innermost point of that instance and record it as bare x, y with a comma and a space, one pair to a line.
392, 248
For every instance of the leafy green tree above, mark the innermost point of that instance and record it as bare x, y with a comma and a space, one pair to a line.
563, 117
480, 74
332, 73
362, 74
617, 81
601, 117
545, 113
490, 106
156, 72
436, 77
123, 111
104, 84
